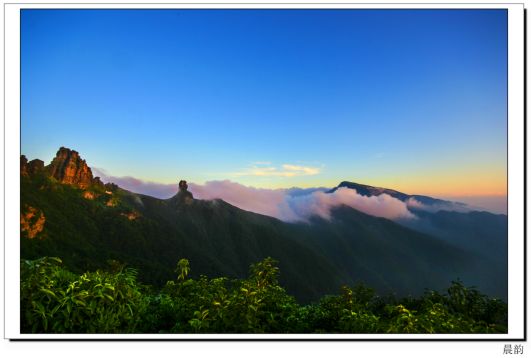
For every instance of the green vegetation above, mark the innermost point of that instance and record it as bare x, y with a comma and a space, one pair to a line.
55, 300
88, 227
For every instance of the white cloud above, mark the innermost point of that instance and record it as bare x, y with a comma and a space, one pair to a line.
321, 204
264, 169
433, 208
262, 201
277, 203
158, 190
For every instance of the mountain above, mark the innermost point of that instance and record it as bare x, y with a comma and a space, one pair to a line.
478, 231
368, 190
66, 212
67, 167
152, 234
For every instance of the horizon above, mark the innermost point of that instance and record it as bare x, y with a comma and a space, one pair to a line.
273, 99
232, 191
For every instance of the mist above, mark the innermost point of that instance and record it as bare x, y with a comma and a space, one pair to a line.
290, 205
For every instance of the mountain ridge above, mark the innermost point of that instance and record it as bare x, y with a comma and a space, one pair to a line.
89, 224
368, 190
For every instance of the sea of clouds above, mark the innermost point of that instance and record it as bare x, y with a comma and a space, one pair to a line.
291, 205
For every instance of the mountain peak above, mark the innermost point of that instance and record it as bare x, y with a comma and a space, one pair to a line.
30, 168
367, 190
183, 195
69, 168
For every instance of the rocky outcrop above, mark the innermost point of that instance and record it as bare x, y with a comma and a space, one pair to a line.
97, 181
31, 221
112, 202
183, 185
89, 195
23, 166
35, 166
68, 168
31, 168
111, 187
183, 196
132, 215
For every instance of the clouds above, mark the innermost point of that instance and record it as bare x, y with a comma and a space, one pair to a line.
292, 208
158, 190
291, 205
321, 204
265, 169
262, 201
413, 203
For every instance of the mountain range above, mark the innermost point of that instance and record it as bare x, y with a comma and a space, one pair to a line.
66, 212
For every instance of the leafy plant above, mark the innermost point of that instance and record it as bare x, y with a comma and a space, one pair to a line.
55, 300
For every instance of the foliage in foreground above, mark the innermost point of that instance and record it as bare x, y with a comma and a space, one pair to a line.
54, 300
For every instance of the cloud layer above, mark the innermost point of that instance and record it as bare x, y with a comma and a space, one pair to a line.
261, 201
447, 206
321, 204
158, 190
264, 169
285, 204
281, 205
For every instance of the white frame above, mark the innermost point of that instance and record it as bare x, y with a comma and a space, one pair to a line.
515, 170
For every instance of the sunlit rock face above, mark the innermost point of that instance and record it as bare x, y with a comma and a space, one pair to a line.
131, 215
89, 195
68, 168
31, 221
30, 168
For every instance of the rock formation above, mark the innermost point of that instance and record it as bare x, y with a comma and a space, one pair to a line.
68, 168
111, 187
35, 166
31, 221
183, 196
23, 165
132, 215
31, 168
97, 181
89, 195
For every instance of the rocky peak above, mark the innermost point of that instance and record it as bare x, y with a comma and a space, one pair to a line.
68, 168
183, 196
23, 165
183, 185
35, 166
30, 168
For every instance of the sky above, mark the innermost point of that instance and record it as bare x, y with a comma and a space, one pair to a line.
413, 100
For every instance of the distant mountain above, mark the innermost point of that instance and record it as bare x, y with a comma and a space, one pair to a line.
480, 232
302, 192
368, 190
397, 259
76, 217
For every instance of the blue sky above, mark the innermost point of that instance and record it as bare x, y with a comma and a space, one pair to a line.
409, 99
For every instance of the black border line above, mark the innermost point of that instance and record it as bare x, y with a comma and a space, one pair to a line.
288, 339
